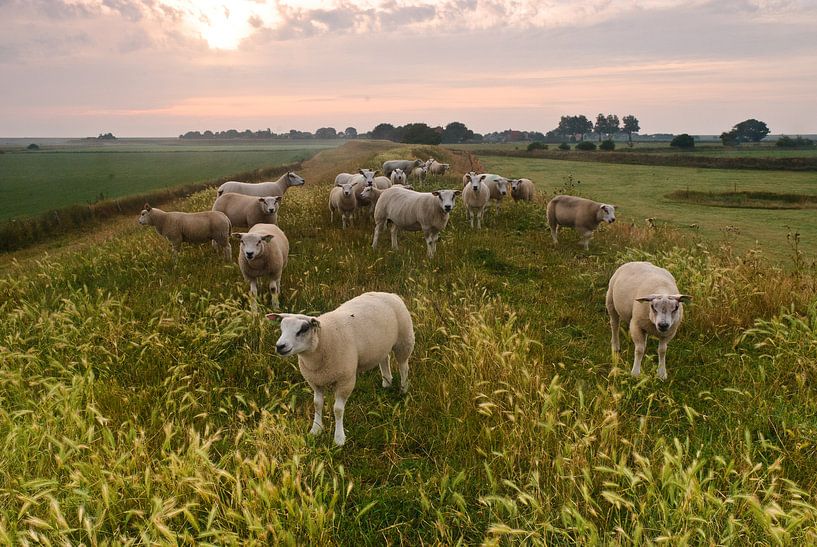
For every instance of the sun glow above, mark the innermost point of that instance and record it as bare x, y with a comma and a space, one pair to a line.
223, 25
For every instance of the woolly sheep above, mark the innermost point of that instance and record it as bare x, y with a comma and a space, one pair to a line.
180, 227
261, 189
497, 185
264, 251
475, 198
405, 165
342, 199
646, 297
419, 173
248, 210
466, 179
372, 194
381, 182
398, 177
522, 189
437, 168
336, 346
412, 211
362, 179
582, 214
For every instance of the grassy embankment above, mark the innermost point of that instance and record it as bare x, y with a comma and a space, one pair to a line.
141, 400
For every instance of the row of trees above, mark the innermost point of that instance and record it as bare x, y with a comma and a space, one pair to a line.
576, 127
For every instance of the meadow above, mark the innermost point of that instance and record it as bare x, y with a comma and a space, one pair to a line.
79, 171
141, 400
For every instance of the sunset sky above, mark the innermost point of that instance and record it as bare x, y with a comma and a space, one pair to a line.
162, 67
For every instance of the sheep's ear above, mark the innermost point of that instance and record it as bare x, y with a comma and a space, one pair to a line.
457, 192
276, 199
681, 297
648, 298
262, 200
267, 238
277, 316
360, 171
236, 235
482, 177
146, 207
314, 323
435, 193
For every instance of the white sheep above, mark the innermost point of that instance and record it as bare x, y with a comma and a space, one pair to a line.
405, 165
646, 297
475, 198
437, 168
522, 189
398, 177
180, 227
381, 182
419, 173
248, 210
466, 177
408, 210
498, 186
261, 189
582, 214
360, 180
343, 200
372, 194
264, 252
336, 346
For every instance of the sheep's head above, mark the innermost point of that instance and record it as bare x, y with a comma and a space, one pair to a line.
144, 216
368, 192
347, 187
514, 184
398, 176
299, 333
368, 175
474, 181
447, 198
294, 180
666, 310
252, 244
502, 186
270, 204
606, 213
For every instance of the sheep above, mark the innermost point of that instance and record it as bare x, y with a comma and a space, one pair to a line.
498, 186
475, 197
381, 182
180, 227
372, 194
264, 251
248, 210
582, 214
466, 177
419, 173
342, 199
437, 168
412, 211
336, 346
261, 189
646, 297
405, 165
398, 177
522, 189
367, 175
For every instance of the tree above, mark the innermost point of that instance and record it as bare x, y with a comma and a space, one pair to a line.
419, 133
351, 133
455, 133
683, 141
750, 130
630, 126
384, 131
613, 126
326, 133
570, 126
601, 125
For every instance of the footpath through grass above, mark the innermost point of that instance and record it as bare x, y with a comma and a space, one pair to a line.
141, 400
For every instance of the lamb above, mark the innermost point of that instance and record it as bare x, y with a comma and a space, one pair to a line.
398, 177
261, 189
406, 165
342, 199
582, 214
646, 297
412, 211
475, 196
264, 251
522, 189
437, 168
336, 346
180, 227
419, 173
248, 210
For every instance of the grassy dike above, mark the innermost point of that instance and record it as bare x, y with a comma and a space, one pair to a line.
141, 400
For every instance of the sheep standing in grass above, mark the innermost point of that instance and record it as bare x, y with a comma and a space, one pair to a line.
335, 347
582, 214
522, 189
372, 193
180, 227
343, 200
248, 210
364, 178
381, 182
419, 173
264, 252
437, 168
261, 189
475, 197
398, 177
498, 186
646, 297
406, 165
408, 210
466, 177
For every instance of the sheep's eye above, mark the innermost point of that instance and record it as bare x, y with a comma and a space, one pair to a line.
303, 329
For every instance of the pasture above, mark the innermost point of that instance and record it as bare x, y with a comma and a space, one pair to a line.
77, 171
141, 400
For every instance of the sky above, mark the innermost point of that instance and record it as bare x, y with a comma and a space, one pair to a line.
74, 68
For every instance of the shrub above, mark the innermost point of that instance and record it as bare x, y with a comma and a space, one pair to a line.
586, 145
607, 145
536, 145
32, 146
788, 142
683, 140
564, 146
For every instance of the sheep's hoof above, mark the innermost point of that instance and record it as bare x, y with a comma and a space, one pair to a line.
616, 358
340, 440
662, 374
386, 383
316, 429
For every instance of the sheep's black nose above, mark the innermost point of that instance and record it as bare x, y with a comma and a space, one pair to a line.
280, 348
612, 220
663, 326
249, 255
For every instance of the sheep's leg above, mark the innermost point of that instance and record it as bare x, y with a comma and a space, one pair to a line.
254, 287
640, 342
343, 219
341, 395
228, 250
331, 215
404, 375
586, 236
385, 372
615, 322
431, 244
554, 232
662, 358
394, 229
377, 227
470, 216
480, 212
317, 421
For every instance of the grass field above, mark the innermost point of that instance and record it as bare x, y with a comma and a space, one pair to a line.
65, 173
141, 400
640, 192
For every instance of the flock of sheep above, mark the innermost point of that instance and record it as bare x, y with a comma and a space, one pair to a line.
335, 347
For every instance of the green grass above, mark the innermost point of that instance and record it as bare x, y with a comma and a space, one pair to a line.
640, 192
61, 175
141, 400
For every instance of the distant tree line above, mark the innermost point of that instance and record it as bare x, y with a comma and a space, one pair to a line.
575, 127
